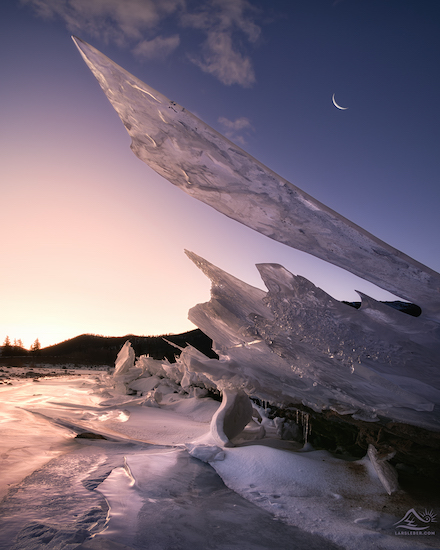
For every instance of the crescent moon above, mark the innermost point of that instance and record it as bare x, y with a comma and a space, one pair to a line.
336, 105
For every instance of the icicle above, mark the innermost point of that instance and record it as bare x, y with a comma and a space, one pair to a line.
306, 423
303, 418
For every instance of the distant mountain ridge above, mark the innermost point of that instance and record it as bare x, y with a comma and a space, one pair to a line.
92, 349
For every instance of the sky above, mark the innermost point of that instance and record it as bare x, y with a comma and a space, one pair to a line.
92, 240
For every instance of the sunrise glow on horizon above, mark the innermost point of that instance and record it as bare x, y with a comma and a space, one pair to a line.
93, 240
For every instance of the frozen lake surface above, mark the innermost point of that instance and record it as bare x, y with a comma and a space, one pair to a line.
130, 482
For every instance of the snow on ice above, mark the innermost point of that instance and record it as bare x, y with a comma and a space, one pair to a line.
159, 468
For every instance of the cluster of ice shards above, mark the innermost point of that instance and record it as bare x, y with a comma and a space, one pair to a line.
157, 382
144, 375
294, 343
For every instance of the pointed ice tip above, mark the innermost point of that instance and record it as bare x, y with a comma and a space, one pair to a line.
89, 53
363, 296
194, 257
80, 44
80, 40
366, 301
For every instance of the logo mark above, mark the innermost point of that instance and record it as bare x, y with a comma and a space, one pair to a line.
414, 523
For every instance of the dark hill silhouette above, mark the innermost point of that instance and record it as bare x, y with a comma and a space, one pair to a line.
90, 349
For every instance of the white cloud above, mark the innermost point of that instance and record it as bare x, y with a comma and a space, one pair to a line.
228, 29
223, 21
234, 127
237, 124
223, 61
158, 47
110, 20
225, 15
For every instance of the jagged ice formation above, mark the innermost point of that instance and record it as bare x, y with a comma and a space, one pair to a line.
294, 343
297, 344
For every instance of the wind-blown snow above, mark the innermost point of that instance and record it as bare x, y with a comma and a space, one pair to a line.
128, 484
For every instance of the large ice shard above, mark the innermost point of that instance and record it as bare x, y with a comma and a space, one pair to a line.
206, 165
293, 344
296, 344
